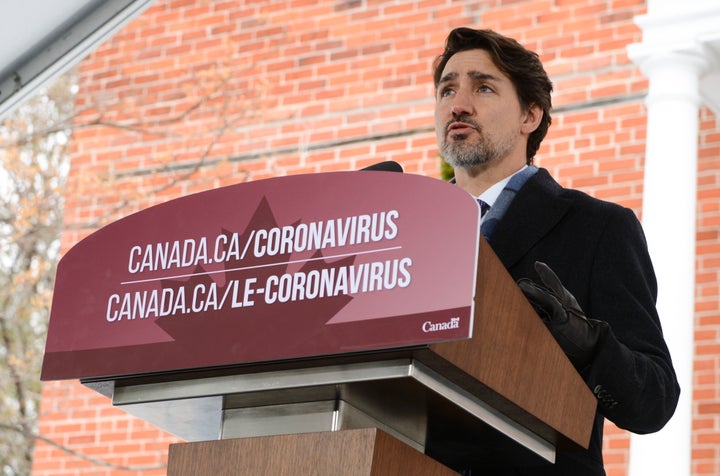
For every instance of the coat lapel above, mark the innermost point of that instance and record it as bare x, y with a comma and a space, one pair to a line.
538, 206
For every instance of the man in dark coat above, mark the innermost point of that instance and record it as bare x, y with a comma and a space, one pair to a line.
582, 262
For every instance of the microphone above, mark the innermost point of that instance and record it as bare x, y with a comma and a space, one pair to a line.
387, 166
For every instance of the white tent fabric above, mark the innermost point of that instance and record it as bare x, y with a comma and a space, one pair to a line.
40, 39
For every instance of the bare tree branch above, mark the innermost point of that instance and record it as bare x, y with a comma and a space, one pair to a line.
33, 167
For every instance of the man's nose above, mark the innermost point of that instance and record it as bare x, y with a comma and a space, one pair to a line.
462, 105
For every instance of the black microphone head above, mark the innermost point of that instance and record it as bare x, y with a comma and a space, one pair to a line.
387, 166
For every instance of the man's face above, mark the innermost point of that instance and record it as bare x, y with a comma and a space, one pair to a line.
478, 118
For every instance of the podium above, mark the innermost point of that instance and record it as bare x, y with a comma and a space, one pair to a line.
349, 332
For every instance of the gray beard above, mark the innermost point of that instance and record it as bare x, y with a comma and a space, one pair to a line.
466, 155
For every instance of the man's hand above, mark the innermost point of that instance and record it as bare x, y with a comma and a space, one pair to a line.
577, 335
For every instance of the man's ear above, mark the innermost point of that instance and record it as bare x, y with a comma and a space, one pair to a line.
532, 118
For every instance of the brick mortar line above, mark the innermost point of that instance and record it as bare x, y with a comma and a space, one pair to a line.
351, 141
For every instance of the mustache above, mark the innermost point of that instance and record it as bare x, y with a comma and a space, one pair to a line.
464, 119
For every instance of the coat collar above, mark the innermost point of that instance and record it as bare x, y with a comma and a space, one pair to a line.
537, 208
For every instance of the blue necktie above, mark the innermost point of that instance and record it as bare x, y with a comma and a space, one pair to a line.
503, 201
484, 207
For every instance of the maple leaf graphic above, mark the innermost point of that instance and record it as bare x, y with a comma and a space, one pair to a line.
253, 333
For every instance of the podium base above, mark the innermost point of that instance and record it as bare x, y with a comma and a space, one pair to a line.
364, 452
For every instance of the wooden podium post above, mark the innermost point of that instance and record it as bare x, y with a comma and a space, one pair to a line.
363, 452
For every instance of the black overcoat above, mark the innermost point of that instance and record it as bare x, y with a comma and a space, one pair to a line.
599, 252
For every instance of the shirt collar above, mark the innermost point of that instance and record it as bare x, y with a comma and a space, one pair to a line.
491, 194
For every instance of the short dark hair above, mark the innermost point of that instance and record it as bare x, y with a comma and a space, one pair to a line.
522, 66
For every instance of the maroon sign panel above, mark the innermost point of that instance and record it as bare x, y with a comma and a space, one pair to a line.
283, 268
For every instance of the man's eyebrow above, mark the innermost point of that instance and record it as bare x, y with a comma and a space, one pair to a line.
448, 77
476, 75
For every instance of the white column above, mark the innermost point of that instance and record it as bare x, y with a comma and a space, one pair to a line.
678, 55
668, 215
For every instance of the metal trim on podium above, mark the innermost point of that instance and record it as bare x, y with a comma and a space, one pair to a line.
394, 395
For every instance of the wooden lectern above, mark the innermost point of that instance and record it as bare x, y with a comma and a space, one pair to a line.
398, 344
510, 378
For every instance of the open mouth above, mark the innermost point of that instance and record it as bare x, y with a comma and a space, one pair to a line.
460, 129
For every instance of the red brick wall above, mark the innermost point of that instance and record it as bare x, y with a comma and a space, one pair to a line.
196, 94
706, 378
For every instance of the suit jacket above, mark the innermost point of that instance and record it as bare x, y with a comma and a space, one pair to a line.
599, 252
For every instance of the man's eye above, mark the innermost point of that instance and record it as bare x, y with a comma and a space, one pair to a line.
446, 92
484, 89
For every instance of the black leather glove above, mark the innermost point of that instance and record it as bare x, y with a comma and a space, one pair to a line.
577, 335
